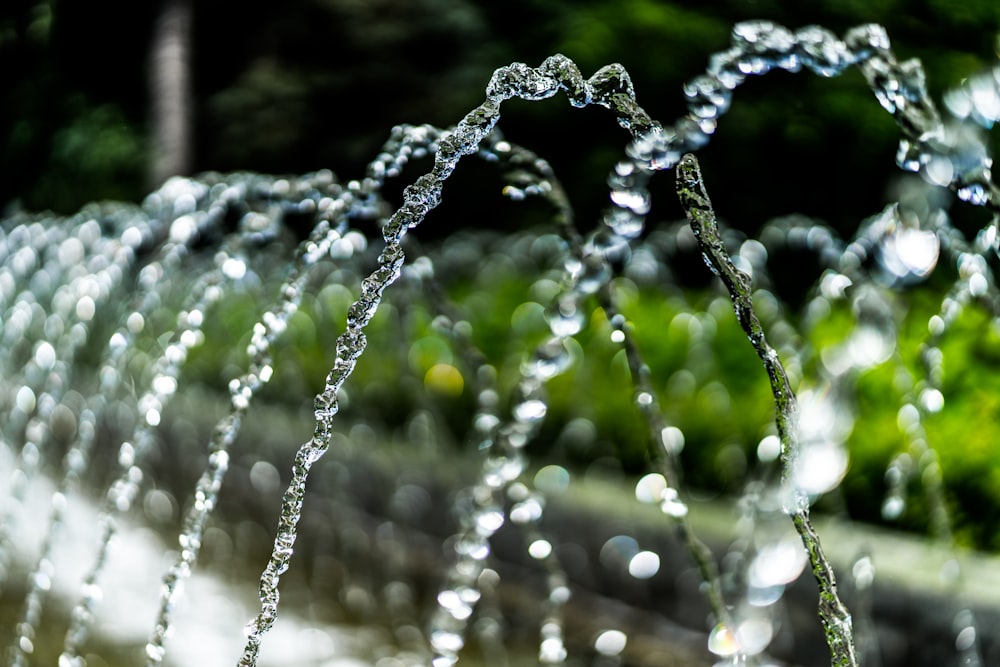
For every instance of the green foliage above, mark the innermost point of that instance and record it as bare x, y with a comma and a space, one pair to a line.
99, 155
321, 84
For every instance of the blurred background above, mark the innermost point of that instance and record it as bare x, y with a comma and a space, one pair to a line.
105, 100
310, 84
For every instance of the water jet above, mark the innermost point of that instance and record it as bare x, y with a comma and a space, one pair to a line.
461, 493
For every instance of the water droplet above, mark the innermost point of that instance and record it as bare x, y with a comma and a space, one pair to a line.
892, 508
909, 255
550, 359
778, 563
769, 448
966, 639
673, 440
526, 511
449, 642
489, 522
722, 642
45, 355
820, 467
25, 400
650, 488
540, 549
932, 400
135, 323
552, 650
85, 308
637, 201
978, 285
164, 385
754, 634
234, 269
869, 346
531, 410
565, 319
863, 572
552, 479
644, 565
610, 642
618, 551
672, 505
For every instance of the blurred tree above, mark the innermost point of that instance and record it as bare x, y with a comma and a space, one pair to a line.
170, 92
318, 83
73, 106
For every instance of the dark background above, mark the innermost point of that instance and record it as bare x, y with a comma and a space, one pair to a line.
309, 84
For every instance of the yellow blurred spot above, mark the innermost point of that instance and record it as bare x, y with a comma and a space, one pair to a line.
444, 379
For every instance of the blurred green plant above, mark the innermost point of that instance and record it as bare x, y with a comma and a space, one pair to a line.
711, 387
319, 83
320, 86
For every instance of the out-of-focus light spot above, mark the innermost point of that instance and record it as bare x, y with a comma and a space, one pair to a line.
552, 479
610, 642
644, 565
778, 563
135, 323
540, 549
978, 285
530, 410
159, 506
25, 400
528, 317
939, 171
264, 477
754, 634
489, 522
909, 255
234, 269
618, 551
132, 236
552, 650
820, 467
769, 448
85, 309
722, 642
863, 572
892, 508
649, 489
182, 228
529, 509
164, 385
45, 355
672, 439
867, 347
672, 505
932, 400
444, 379
190, 337
966, 639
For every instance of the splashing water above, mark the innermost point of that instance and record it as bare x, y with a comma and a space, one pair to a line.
136, 289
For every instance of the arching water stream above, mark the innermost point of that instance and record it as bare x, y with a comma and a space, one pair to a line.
116, 316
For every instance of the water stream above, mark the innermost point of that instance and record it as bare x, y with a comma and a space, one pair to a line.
104, 314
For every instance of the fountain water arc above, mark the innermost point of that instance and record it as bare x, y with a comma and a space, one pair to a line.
104, 314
